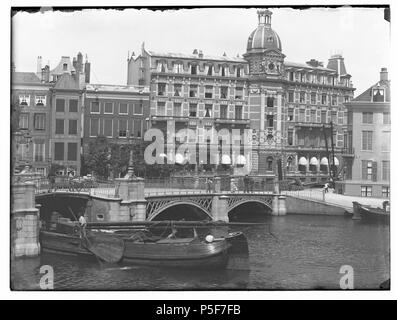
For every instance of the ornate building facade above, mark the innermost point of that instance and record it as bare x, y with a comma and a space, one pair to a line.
288, 106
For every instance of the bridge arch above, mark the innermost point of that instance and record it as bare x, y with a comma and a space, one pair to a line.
250, 210
59, 202
177, 210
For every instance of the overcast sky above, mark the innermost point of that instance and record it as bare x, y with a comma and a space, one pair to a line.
361, 35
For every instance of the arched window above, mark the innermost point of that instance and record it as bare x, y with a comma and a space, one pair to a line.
269, 163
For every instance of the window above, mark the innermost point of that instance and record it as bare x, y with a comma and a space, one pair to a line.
24, 100
223, 71
24, 121
368, 117
223, 112
122, 128
161, 89
38, 151
161, 66
334, 117
59, 152
193, 69
269, 164
323, 98
386, 118
313, 98
108, 128
94, 127
385, 192
73, 126
138, 108
208, 111
334, 100
346, 98
302, 97
108, 108
72, 151
367, 170
177, 109
239, 93
178, 67
323, 116
177, 90
290, 96
270, 102
138, 128
378, 95
65, 67
73, 105
192, 110
238, 112
39, 121
366, 191
302, 115
161, 108
193, 91
290, 116
313, 117
223, 92
123, 108
367, 140
239, 72
60, 105
208, 92
269, 121
385, 170
290, 138
210, 70
59, 126
95, 107
40, 101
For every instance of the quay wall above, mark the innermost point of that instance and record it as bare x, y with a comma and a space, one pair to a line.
296, 205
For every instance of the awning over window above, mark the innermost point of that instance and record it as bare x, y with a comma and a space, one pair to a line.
226, 159
179, 158
324, 161
241, 160
302, 161
313, 161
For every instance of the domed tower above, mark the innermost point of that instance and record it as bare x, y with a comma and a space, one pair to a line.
264, 50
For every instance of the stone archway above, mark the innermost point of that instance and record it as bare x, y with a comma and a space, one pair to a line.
249, 210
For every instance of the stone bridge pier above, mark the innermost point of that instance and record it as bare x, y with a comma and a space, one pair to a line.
24, 221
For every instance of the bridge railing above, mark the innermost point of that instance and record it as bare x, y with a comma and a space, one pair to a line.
105, 188
311, 194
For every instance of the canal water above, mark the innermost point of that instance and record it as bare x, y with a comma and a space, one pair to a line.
289, 252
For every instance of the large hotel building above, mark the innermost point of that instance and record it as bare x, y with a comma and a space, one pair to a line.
288, 106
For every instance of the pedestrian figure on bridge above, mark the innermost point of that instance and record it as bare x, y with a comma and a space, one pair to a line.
246, 181
208, 183
233, 186
326, 186
83, 224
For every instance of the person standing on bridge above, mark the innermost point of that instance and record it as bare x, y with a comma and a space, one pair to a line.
83, 224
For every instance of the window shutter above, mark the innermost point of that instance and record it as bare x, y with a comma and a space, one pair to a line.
364, 164
374, 171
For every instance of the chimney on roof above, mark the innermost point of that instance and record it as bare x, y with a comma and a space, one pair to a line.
87, 70
313, 63
224, 54
200, 54
39, 63
383, 74
195, 51
45, 74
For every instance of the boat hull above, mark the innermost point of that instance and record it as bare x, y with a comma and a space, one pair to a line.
370, 213
184, 254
